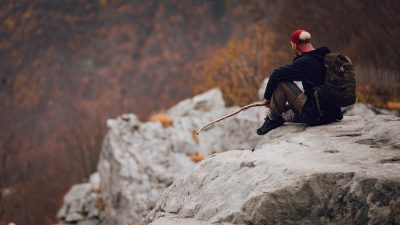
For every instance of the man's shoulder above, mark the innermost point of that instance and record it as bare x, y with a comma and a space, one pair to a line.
318, 53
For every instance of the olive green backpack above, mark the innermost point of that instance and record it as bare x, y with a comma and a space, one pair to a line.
339, 87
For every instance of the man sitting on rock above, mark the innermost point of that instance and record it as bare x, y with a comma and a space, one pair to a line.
308, 67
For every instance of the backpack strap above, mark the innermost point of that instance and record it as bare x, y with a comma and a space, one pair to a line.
316, 97
318, 104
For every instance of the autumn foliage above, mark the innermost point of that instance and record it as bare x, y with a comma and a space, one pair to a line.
67, 66
239, 68
197, 157
366, 34
165, 120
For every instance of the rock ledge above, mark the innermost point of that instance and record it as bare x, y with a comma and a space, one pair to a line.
342, 173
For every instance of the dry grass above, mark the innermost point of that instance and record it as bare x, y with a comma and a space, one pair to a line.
165, 120
101, 205
393, 106
97, 190
195, 137
197, 157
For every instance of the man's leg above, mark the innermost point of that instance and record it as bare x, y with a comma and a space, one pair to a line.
285, 92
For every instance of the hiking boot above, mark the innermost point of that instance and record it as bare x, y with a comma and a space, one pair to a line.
270, 125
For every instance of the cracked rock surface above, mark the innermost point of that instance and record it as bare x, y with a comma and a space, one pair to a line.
140, 160
83, 204
341, 173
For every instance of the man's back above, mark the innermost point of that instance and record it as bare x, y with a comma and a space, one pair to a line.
308, 67
313, 68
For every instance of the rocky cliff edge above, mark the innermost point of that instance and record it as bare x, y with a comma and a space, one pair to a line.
342, 173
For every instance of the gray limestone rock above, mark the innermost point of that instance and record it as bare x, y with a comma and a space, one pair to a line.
361, 109
341, 173
329, 174
140, 160
83, 203
206, 102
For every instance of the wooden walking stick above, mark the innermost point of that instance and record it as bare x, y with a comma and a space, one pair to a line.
229, 115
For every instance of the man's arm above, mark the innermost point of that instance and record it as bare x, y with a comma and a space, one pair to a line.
292, 72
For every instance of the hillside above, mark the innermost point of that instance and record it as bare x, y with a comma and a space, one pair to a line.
67, 66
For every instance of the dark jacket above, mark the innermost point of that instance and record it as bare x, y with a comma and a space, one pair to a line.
308, 68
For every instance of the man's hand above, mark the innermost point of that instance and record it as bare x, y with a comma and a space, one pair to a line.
266, 102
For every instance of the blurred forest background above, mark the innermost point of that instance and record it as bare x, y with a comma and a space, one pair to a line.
67, 66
